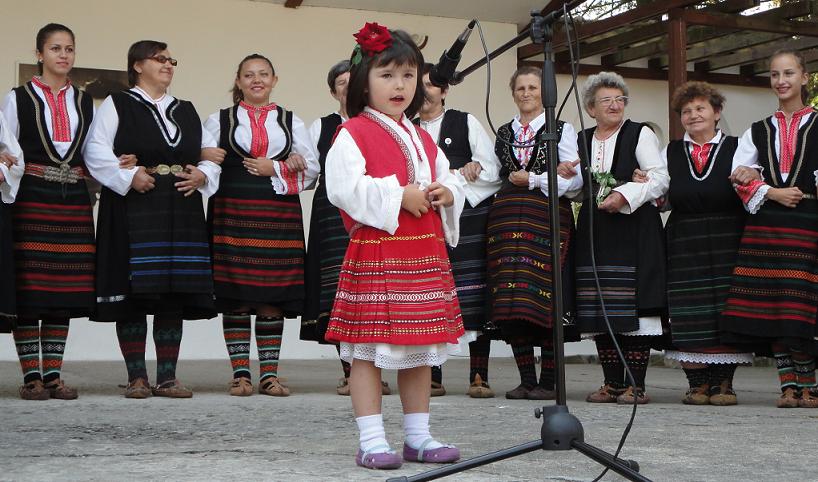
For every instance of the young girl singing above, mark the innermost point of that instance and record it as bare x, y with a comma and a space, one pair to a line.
773, 292
396, 305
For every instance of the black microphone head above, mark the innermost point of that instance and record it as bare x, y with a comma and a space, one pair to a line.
438, 78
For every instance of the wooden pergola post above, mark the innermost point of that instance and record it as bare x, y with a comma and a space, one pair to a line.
677, 66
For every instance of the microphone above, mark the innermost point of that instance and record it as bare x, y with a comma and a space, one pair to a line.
442, 74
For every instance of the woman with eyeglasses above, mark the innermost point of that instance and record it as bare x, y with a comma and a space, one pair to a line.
153, 252
628, 241
53, 227
256, 225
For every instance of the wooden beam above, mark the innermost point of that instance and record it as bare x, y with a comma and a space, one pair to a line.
293, 3
677, 70
738, 22
763, 52
698, 34
649, 74
584, 31
763, 66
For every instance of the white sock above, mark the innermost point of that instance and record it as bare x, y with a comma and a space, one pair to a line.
416, 428
373, 436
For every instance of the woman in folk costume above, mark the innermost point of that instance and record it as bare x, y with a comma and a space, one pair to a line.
774, 289
328, 238
396, 305
519, 233
703, 232
52, 215
11, 172
153, 254
628, 240
255, 222
471, 156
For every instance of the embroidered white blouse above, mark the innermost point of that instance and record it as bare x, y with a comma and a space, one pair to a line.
13, 173
103, 164
482, 151
302, 144
376, 201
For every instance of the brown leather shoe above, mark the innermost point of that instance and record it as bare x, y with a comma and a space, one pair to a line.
59, 390
627, 397
480, 389
137, 389
697, 396
605, 394
172, 389
273, 387
788, 399
519, 393
438, 390
385, 390
343, 387
723, 395
241, 387
34, 391
541, 393
807, 399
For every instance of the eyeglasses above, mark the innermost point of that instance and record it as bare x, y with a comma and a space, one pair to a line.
607, 101
162, 59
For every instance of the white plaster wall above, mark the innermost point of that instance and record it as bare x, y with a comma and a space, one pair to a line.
209, 37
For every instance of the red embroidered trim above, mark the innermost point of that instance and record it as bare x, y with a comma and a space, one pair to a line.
747, 192
60, 122
289, 178
787, 137
700, 156
258, 118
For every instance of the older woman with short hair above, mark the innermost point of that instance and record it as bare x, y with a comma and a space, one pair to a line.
703, 235
627, 240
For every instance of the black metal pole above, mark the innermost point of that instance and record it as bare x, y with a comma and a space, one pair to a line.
459, 76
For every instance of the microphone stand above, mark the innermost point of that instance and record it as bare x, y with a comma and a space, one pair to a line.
560, 430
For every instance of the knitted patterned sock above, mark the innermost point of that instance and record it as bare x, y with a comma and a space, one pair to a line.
167, 336
804, 369
547, 374
345, 366
27, 341
479, 358
236, 327
697, 377
612, 368
132, 335
786, 369
437, 374
720, 372
268, 340
53, 334
524, 356
637, 355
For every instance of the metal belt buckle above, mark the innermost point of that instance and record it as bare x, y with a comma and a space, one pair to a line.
162, 169
176, 169
62, 174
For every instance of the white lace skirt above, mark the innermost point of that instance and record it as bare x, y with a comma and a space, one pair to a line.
710, 358
648, 326
398, 357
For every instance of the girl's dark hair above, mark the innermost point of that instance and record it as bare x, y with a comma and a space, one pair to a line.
44, 33
524, 70
338, 69
144, 49
402, 51
802, 62
692, 90
238, 95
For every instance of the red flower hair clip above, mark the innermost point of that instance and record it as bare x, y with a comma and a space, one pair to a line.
372, 39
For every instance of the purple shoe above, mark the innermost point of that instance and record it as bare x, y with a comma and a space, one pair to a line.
440, 455
381, 460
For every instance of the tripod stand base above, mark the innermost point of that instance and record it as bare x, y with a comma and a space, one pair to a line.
560, 431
